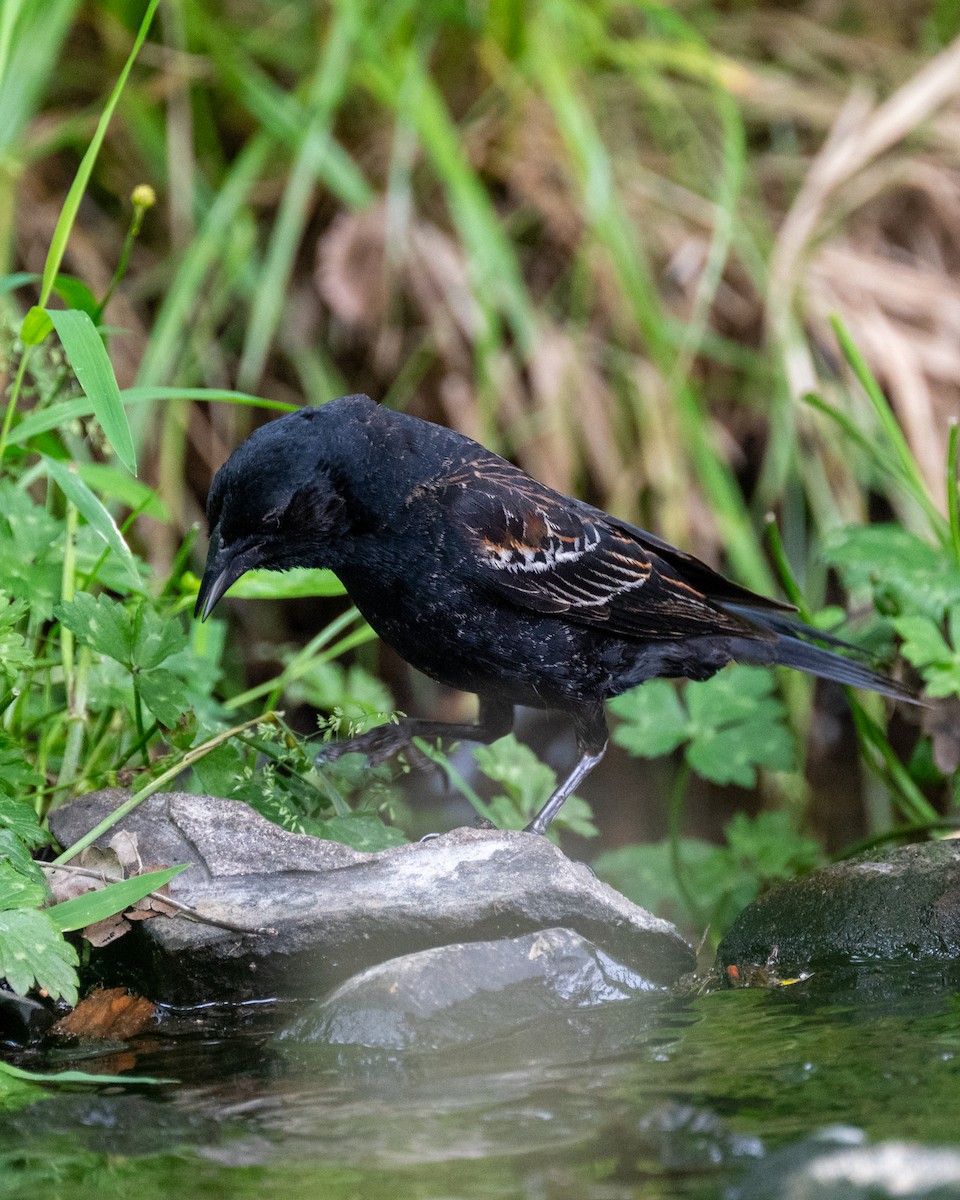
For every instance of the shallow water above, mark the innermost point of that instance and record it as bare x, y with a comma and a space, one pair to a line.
662, 1096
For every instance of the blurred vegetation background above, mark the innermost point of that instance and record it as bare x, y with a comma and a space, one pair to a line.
605, 238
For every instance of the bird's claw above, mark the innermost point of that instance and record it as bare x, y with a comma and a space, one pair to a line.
377, 744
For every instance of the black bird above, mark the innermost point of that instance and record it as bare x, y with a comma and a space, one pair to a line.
486, 580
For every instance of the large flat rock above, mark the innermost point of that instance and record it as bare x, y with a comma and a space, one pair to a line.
282, 914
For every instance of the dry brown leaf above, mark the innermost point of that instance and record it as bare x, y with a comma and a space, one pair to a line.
110, 929
352, 271
127, 849
107, 1013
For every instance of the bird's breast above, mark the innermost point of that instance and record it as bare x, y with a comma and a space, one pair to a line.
462, 637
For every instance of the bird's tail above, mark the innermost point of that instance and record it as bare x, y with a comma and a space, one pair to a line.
792, 649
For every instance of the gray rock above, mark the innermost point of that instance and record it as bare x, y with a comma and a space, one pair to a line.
901, 905
466, 993
839, 1164
296, 916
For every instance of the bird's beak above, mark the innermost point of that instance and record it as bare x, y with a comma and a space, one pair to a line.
224, 567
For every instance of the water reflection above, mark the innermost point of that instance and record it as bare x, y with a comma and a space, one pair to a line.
677, 1092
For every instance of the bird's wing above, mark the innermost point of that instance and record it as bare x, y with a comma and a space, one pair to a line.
551, 554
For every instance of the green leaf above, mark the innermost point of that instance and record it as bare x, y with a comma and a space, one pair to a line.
732, 755
17, 891
527, 783
32, 951
94, 513
16, 855
644, 873
75, 294
352, 692
770, 845
114, 898
925, 646
894, 563
36, 326
923, 643
654, 721
362, 831
21, 819
101, 623
15, 655
138, 638
116, 484
157, 639
84, 1077
164, 694
31, 550
285, 585
42, 420
10, 283
17, 776
736, 726
733, 695
94, 371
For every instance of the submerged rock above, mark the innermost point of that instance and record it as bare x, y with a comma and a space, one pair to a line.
840, 1164
282, 914
902, 905
466, 993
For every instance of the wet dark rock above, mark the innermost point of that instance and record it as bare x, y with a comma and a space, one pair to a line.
682, 1137
297, 915
902, 905
466, 993
840, 1164
23, 1020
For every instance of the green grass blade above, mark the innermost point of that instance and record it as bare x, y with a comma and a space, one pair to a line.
406, 86
327, 89
614, 230
165, 349
105, 902
82, 1077
94, 371
10, 283
94, 513
905, 463
143, 394
953, 487
71, 205
282, 116
31, 36
45, 419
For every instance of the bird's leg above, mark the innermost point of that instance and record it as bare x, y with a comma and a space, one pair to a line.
495, 721
592, 737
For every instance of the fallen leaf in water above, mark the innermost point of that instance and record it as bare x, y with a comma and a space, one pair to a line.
107, 1013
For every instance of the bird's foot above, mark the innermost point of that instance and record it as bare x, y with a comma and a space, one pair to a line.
377, 744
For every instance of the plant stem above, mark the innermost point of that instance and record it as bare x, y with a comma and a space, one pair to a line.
14, 398
678, 792
953, 487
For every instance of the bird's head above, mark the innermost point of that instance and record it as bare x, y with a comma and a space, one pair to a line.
278, 501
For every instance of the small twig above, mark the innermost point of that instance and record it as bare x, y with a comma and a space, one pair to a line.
184, 909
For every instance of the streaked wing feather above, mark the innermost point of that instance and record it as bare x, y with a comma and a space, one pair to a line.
553, 555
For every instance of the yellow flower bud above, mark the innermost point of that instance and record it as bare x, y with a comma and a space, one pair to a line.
143, 196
